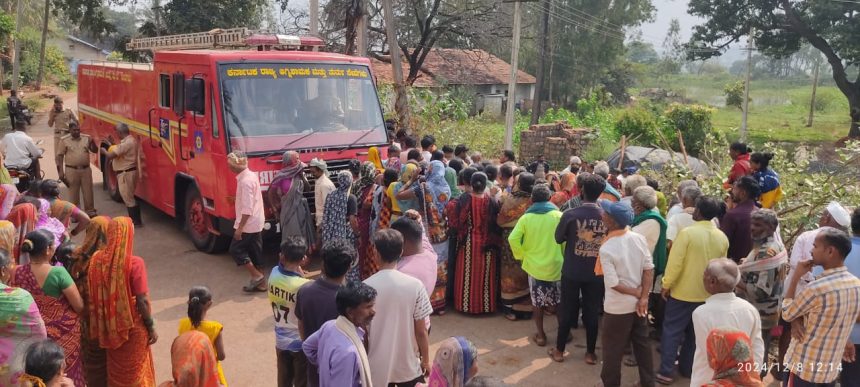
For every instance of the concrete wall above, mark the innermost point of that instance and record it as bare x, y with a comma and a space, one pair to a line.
75, 52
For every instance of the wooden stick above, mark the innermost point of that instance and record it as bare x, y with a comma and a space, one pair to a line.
623, 149
683, 149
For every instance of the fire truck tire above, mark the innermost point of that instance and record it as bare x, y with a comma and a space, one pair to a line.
200, 225
110, 182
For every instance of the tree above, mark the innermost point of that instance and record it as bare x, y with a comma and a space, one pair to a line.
641, 52
781, 27
188, 16
7, 27
673, 49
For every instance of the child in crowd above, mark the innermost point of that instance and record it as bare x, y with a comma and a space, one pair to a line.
199, 302
284, 284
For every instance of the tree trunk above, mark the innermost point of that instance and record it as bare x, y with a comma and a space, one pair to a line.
854, 109
41, 74
538, 95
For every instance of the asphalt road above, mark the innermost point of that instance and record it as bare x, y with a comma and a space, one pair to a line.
506, 356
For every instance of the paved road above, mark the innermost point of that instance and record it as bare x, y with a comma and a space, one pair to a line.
174, 265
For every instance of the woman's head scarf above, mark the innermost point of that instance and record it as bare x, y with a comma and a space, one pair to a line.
110, 312
454, 360
374, 157
730, 355
23, 216
292, 166
366, 177
438, 187
568, 182
95, 240
8, 236
8, 194
335, 223
451, 179
193, 360
54, 226
408, 172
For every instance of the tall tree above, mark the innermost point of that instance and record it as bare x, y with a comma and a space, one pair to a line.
673, 49
210, 14
781, 27
44, 44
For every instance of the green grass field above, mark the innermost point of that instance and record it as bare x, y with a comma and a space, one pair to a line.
778, 111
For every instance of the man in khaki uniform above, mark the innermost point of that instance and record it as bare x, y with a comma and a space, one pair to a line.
74, 151
59, 119
123, 159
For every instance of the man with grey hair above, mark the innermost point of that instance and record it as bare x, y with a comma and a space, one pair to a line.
678, 206
683, 219
609, 193
763, 271
630, 184
723, 309
123, 159
246, 248
649, 223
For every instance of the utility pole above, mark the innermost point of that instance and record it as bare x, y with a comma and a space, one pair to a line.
401, 104
314, 11
814, 91
16, 62
156, 14
745, 113
512, 84
362, 30
544, 31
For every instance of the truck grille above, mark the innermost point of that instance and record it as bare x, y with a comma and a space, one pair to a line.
334, 167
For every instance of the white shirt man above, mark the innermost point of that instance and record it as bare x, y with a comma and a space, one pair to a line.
18, 149
723, 310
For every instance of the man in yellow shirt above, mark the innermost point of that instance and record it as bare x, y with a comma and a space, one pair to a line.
684, 289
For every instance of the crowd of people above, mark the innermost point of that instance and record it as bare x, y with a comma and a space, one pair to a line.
421, 230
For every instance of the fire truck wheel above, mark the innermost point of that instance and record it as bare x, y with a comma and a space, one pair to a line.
110, 181
199, 225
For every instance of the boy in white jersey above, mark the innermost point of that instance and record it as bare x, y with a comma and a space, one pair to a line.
284, 282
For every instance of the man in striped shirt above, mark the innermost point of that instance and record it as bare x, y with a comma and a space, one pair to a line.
821, 315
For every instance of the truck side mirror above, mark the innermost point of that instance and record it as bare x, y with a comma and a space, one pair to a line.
195, 94
179, 94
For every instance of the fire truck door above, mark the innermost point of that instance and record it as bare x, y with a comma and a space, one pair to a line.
197, 144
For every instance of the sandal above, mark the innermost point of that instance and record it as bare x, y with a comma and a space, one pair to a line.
540, 341
664, 380
255, 286
555, 355
590, 359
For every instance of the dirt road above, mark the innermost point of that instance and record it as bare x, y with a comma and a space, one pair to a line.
174, 265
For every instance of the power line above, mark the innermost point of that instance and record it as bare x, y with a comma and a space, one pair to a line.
578, 23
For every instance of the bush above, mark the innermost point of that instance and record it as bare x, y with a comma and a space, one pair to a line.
640, 125
735, 94
694, 122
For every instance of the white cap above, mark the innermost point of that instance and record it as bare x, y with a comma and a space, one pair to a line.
575, 160
839, 214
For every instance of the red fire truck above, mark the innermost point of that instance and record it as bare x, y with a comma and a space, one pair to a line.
205, 95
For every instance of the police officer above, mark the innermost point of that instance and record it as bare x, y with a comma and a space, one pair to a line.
59, 119
75, 149
124, 162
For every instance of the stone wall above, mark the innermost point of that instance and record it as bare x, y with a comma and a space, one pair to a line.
556, 142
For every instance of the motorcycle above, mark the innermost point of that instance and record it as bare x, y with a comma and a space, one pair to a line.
20, 178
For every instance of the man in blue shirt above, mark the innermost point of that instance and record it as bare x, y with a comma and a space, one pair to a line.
851, 370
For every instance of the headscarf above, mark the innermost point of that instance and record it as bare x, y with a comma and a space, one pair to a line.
451, 179
23, 216
110, 310
374, 157
730, 356
8, 194
292, 166
409, 170
366, 178
8, 236
568, 182
193, 361
438, 187
49, 223
452, 363
335, 223
5, 178
96, 239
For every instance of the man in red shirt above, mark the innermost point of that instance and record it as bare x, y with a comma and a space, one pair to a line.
740, 153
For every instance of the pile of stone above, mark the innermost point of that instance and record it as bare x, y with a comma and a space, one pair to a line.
556, 142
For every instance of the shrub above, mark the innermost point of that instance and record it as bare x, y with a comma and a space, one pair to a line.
734, 94
640, 125
694, 122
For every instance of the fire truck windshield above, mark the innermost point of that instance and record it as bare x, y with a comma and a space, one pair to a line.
270, 105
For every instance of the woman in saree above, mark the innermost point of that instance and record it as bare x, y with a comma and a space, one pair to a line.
8, 237
23, 217
433, 196
120, 317
286, 193
62, 210
476, 276
363, 190
382, 204
407, 180
455, 364
95, 367
193, 361
567, 189
44, 221
8, 195
515, 299
339, 216
730, 355
20, 325
375, 158
57, 297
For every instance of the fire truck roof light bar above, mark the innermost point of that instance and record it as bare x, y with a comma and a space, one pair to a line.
221, 38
